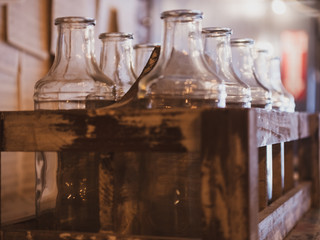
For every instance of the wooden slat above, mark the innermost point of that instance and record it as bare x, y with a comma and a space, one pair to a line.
230, 178
103, 130
277, 177
308, 155
276, 221
263, 186
288, 166
275, 127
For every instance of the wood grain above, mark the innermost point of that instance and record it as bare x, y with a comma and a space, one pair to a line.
277, 176
288, 166
230, 178
276, 127
263, 189
276, 221
103, 130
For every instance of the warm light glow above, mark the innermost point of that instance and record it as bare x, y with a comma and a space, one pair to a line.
278, 7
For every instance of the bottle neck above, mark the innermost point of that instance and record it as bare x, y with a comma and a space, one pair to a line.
261, 65
75, 50
182, 38
275, 73
242, 60
218, 52
116, 57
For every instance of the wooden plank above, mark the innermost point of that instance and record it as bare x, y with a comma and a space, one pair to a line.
277, 175
263, 190
308, 152
275, 127
315, 159
67, 130
229, 178
288, 166
308, 227
102, 130
276, 221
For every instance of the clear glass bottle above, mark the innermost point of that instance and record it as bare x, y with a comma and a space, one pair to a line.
116, 60
217, 50
74, 78
142, 54
163, 190
181, 77
275, 78
242, 60
67, 182
261, 64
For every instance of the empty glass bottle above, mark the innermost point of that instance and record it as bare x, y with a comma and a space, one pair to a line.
243, 64
181, 77
218, 54
166, 200
67, 182
142, 54
261, 63
116, 60
74, 78
288, 103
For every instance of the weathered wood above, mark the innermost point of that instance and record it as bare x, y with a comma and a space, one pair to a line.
230, 178
277, 174
315, 159
263, 190
308, 155
288, 166
276, 221
308, 227
275, 127
101, 130
95, 130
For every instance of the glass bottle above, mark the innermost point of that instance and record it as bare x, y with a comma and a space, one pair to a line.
116, 60
142, 54
165, 194
261, 63
66, 182
275, 77
242, 60
218, 54
181, 77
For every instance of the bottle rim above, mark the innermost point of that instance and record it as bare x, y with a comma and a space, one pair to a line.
180, 13
146, 45
115, 35
241, 41
75, 19
216, 31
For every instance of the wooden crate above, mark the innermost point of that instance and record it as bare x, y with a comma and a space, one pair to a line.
233, 145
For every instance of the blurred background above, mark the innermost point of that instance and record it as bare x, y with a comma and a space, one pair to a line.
289, 29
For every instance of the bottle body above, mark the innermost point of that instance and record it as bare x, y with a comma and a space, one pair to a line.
181, 77
261, 64
66, 182
218, 54
242, 60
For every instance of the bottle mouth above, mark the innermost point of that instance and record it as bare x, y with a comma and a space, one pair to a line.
146, 45
182, 13
115, 35
216, 31
74, 19
241, 41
